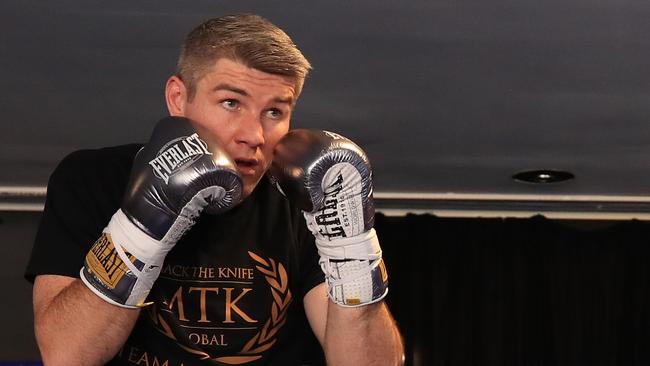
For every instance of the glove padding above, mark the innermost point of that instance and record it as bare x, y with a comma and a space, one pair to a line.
330, 179
175, 177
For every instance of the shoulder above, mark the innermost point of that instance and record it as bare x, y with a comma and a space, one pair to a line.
98, 175
114, 157
83, 192
94, 165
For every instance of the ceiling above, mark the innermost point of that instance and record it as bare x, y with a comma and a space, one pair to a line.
448, 97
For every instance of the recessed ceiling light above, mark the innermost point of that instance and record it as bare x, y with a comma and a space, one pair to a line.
542, 176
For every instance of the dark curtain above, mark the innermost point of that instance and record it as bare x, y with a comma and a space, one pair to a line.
519, 291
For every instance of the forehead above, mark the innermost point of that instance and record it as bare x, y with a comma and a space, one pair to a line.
251, 80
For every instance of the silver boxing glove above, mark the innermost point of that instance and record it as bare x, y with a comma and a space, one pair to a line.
330, 179
175, 177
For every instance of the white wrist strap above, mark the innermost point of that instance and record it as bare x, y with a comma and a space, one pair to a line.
355, 283
364, 246
354, 271
126, 285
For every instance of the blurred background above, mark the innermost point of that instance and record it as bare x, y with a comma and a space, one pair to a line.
450, 99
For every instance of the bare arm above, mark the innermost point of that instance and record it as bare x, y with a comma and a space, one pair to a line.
74, 326
365, 335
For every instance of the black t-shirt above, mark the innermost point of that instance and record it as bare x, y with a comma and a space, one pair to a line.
229, 292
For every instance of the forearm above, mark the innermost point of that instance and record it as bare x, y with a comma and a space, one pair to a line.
79, 328
365, 335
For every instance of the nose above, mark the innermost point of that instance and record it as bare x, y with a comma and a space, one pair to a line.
250, 131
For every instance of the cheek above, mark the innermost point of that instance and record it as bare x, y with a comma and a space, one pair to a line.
272, 138
275, 135
277, 132
214, 123
203, 111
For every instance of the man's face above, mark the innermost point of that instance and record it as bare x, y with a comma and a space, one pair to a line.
247, 111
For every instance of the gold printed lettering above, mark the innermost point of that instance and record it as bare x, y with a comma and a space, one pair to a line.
207, 340
180, 271
206, 272
276, 276
235, 272
144, 358
232, 272
222, 272
178, 300
133, 355
105, 263
231, 306
157, 363
247, 273
203, 290
176, 270
101, 245
110, 263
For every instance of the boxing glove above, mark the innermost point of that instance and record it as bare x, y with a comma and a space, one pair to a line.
175, 176
330, 180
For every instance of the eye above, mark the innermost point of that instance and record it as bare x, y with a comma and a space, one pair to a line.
230, 104
274, 113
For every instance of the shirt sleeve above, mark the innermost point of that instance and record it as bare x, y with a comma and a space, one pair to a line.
78, 205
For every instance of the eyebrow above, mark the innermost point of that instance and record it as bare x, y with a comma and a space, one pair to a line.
231, 88
288, 100
242, 92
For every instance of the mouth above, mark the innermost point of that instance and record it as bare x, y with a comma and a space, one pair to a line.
247, 166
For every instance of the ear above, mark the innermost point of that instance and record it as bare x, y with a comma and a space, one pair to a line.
175, 96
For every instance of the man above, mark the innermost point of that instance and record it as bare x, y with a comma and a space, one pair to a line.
185, 274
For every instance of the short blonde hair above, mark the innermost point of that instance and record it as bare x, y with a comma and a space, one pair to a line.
250, 39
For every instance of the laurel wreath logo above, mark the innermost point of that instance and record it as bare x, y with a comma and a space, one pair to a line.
276, 276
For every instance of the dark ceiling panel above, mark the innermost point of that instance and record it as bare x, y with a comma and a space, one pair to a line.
445, 96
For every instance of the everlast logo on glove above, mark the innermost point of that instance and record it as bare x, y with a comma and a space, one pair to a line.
104, 261
328, 218
342, 212
176, 154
